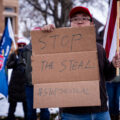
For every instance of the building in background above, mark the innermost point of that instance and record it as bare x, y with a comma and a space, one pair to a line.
9, 9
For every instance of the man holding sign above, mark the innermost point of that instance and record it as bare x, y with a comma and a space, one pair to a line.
81, 17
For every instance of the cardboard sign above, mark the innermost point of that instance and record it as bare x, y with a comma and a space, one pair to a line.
66, 94
65, 68
64, 40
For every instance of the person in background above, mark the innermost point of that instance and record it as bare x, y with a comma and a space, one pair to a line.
113, 90
16, 90
31, 112
81, 17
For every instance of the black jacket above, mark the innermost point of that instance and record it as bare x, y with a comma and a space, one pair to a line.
107, 72
16, 90
28, 71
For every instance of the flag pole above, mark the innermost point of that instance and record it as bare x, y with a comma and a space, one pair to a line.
118, 4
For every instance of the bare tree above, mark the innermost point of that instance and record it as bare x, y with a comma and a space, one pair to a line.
40, 12
55, 11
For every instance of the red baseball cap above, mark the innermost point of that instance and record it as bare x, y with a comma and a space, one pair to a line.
22, 40
79, 9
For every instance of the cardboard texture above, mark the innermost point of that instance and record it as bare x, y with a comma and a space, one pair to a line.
65, 68
64, 40
65, 94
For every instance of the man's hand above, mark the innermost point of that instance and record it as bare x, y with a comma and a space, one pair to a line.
116, 61
48, 28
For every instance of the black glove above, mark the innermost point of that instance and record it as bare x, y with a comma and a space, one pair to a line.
21, 63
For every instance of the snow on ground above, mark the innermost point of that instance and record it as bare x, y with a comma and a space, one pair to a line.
4, 105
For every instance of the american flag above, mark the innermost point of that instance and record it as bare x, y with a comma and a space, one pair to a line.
110, 33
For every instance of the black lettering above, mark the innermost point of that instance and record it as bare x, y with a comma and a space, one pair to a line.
88, 65
45, 65
40, 91
64, 41
73, 65
80, 64
52, 91
63, 65
85, 91
54, 40
63, 91
49, 65
43, 44
45, 92
75, 37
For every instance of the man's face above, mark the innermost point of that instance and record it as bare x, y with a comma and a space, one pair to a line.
80, 20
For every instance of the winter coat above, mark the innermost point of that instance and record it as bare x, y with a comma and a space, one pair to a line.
28, 71
16, 90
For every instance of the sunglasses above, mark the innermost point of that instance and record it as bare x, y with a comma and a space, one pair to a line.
21, 45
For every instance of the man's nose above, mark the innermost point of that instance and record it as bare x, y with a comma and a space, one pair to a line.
80, 21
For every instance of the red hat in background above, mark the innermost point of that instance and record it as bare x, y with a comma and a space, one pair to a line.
23, 41
79, 9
